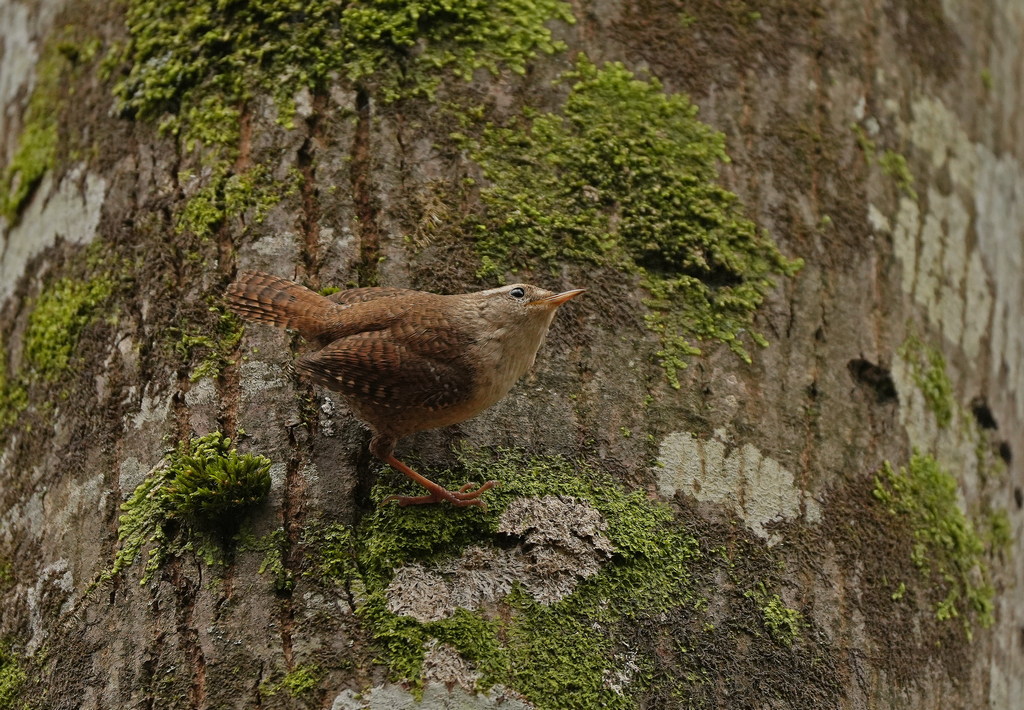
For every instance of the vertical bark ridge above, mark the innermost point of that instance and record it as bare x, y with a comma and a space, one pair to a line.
310, 219
228, 384
300, 435
366, 207
186, 592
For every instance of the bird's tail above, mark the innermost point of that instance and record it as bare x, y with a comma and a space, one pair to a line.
271, 299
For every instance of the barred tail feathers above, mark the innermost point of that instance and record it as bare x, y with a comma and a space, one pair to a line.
271, 299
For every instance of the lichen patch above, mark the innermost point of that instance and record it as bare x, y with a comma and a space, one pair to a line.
393, 696
754, 486
561, 543
70, 210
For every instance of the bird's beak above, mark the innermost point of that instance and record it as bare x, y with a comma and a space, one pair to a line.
558, 298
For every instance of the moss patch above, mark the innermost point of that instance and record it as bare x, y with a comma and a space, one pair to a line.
273, 545
226, 195
947, 546
625, 177
53, 354
893, 164
297, 682
596, 647
64, 58
59, 315
37, 145
213, 352
190, 63
195, 66
189, 503
12, 676
784, 624
13, 397
928, 369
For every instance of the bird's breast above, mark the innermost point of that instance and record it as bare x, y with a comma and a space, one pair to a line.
504, 356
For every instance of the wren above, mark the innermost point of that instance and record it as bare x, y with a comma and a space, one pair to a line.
406, 360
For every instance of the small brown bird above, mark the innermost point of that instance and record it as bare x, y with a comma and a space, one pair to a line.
409, 360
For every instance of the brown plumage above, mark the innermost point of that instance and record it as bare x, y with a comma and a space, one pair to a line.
408, 360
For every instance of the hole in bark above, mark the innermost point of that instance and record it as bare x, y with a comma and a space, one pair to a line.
1005, 453
1018, 497
982, 414
874, 376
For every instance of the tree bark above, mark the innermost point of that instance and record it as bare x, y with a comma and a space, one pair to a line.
686, 517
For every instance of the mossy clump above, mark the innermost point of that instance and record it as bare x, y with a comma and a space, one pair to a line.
782, 622
227, 195
297, 682
215, 349
193, 64
558, 654
13, 396
946, 542
12, 676
895, 166
202, 489
928, 369
36, 150
63, 58
626, 177
59, 315
207, 479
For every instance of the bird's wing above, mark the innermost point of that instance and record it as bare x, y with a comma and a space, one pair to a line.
392, 373
368, 293
321, 320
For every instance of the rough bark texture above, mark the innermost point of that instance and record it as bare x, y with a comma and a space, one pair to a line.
835, 523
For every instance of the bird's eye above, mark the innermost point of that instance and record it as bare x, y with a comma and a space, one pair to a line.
517, 292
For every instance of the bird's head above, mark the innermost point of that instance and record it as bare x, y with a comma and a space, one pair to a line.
518, 306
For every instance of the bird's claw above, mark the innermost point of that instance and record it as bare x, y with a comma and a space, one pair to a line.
461, 498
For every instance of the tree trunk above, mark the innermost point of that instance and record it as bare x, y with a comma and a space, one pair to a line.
767, 460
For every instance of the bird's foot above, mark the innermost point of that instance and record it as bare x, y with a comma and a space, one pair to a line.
461, 498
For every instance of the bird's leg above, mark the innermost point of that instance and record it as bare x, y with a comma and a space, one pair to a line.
461, 498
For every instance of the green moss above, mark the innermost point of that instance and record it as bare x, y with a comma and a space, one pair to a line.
947, 546
273, 546
784, 624
625, 177
928, 368
986, 79
36, 151
59, 315
13, 396
213, 350
297, 682
12, 676
208, 480
6, 574
192, 62
63, 60
557, 655
202, 488
35, 155
867, 145
895, 166
998, 531
193, 66
227, 196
